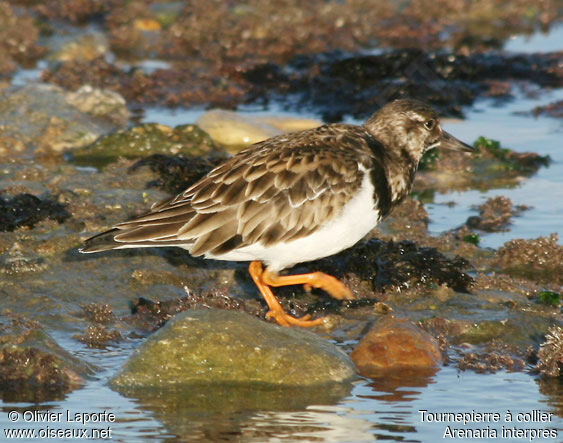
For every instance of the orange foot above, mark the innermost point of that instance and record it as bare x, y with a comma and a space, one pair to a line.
265, 279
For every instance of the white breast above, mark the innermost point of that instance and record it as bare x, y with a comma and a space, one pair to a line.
355, 220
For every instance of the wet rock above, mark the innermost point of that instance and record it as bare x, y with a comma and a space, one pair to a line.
550, 355
449, 328
101, 103
28, 210
85, 47
494, 215
539, 260
212, 346
39, 116
395, 345
16, 260
143, 141
235, 131
33, 368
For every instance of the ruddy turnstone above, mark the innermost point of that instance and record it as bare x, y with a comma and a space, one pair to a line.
293, 198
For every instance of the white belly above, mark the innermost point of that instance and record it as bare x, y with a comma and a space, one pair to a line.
356, 219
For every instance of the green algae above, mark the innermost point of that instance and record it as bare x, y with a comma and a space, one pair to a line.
142, 141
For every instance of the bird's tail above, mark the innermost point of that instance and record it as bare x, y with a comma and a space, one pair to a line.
101, 242
106, 241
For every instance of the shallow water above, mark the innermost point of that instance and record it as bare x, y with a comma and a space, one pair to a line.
373, 410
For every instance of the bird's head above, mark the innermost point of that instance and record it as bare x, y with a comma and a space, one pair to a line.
411, 128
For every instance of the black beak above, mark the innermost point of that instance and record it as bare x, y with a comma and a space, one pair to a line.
448, 141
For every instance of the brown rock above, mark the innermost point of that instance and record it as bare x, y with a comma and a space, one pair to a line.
395, 344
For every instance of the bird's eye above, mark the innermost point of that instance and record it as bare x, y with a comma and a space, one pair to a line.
429, 124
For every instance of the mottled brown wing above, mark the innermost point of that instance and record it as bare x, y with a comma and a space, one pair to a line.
278, 190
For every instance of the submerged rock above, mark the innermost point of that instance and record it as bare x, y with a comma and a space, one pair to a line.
145, 140
214, 346
395, 345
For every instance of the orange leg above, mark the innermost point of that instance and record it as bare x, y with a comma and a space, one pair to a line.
327, 283
265, 279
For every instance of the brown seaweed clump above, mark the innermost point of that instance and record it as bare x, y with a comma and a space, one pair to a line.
404, 264
150, 315
99, 313
490, 362
494, 215
33, 368
18, 40
550, 355
32, 374
539, 260
28, 210
98, 336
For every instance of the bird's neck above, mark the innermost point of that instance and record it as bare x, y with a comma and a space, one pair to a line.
398, 167
400, 173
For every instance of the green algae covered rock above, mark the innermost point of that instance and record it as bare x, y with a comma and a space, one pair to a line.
215, 346
144, 140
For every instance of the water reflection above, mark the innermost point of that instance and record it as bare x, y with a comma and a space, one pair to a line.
552, 388
392, 387
228, 411
317, 423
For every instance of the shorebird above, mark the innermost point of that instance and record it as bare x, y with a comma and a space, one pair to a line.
293, 198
